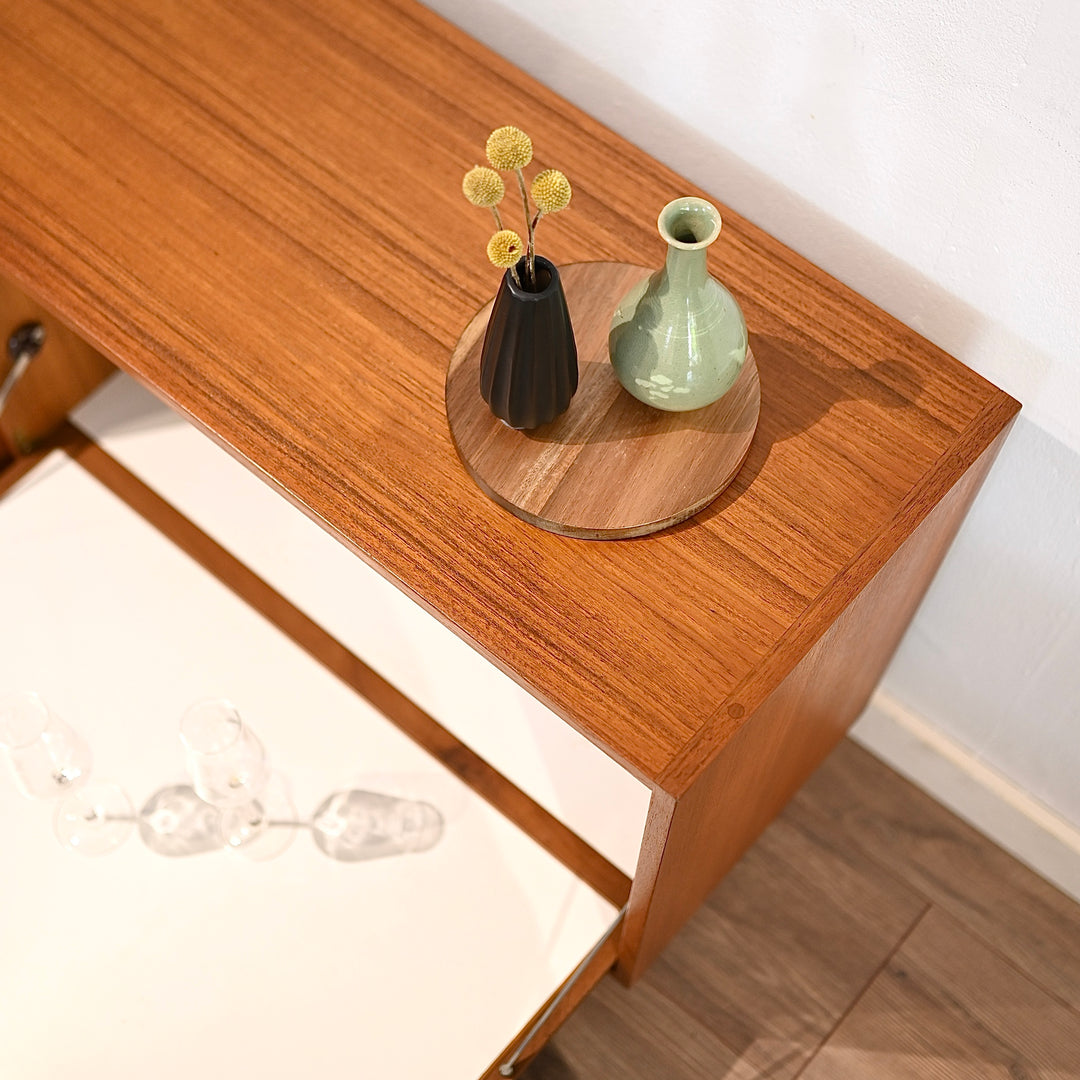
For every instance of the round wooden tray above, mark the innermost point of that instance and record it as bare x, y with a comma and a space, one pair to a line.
610, 466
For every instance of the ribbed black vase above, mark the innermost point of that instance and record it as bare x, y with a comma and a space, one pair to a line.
528, 367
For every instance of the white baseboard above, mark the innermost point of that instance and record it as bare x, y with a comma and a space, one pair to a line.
973, 790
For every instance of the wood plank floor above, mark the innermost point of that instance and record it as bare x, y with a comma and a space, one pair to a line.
869, 935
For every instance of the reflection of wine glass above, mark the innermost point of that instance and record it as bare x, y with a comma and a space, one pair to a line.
94, 820
352, 826
226, 761
175, 821
47, 756
263, 828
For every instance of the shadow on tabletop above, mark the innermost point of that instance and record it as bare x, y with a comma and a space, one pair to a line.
795, 398
850, 257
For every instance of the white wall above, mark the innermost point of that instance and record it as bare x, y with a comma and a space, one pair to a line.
928, 154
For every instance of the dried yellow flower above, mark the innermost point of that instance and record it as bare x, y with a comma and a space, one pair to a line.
505, 248
483, 186
551, 191
509, 148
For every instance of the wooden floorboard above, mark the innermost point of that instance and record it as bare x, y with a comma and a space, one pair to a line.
634, 1033
869, 933
910, 835
760, 966
947, 1005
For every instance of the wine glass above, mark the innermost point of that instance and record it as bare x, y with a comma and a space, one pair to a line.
229, 769
47, 756
94, 820
226, 761
353, 826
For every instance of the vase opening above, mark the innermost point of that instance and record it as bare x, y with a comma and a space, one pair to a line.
545, 279
689, 223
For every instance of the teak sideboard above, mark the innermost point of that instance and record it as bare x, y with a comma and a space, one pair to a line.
254, 209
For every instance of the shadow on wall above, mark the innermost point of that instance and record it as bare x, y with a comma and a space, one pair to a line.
872, 271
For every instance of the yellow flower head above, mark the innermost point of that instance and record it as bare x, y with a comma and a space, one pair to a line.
509, 148
483, 186
505, 248
551, 191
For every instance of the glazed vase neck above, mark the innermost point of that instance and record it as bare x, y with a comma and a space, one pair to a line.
686, 269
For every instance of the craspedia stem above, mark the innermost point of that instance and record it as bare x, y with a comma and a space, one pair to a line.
498, 218
530, 260
532, 245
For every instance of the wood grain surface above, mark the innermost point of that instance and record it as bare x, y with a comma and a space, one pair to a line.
610, 467
255, 208
693, 841
905, 835
946, 1005
757, 979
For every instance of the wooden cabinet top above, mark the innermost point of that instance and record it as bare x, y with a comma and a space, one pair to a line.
255, 208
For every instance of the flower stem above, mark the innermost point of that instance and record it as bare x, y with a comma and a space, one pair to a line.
532, 247
530, 261
498, 218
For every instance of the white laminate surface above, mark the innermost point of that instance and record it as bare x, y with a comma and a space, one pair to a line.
484, 708
135, 965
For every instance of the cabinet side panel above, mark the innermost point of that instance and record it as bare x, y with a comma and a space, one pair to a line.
693, 842
62, 374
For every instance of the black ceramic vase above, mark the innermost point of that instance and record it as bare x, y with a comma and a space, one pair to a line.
528, 367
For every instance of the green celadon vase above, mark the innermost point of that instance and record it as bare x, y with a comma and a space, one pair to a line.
678, 339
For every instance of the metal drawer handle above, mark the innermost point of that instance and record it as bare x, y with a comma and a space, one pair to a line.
510, 1064
23, 345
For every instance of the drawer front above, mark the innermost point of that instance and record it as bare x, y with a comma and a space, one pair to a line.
427, 964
